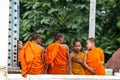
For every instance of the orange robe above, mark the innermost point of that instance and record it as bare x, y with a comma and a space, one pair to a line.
56, 57
19, 55
77, 68
101, 54
94, 61
31, 59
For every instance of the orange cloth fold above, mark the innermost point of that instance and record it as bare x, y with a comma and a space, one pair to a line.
31, 59
94, 61
101, 54
56, 57
19, 55
77, 68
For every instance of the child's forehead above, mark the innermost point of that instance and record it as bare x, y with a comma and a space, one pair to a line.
77, 43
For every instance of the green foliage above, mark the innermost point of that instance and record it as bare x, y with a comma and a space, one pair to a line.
107, 33
71, 17
48, 17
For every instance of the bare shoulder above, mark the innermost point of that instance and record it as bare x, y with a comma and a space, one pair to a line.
66, 46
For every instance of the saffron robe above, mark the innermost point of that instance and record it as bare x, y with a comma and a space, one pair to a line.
77, 68
31, 59
94, 61
56, 57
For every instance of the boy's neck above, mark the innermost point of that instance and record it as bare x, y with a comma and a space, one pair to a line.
93, 47
34, 41
76, 52
19, 48
58, 42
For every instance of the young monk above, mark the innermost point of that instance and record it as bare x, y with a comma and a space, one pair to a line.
94, 58
77, 67
57, 57
20, 46
32, 59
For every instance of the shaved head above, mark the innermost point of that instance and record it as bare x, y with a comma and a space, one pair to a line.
90, 43
92, 40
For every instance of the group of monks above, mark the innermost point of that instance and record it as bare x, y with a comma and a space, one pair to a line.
57, 59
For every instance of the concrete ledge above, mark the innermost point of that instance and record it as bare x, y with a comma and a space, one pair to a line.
61, 77
14, 70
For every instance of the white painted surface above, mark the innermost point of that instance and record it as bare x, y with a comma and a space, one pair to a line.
2, 75
4, 20
61, 77
17, 77
92, 17
117, 74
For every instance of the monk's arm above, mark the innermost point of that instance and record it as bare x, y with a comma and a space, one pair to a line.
102, 62
69, 61
43, 56
69, 64
46, 68
46, 65
86, 66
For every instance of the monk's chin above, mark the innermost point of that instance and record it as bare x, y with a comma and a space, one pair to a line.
89, 49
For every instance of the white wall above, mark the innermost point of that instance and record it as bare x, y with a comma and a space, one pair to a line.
4, 19
61, 77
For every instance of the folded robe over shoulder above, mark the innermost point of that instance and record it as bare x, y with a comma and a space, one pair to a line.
31, 59
101, 54
56, 57
94, 59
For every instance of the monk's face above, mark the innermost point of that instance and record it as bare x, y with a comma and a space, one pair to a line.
38, 40
20, 45
61, 39
89, 45
77, 46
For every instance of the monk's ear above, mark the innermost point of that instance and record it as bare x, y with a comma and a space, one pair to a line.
93, 43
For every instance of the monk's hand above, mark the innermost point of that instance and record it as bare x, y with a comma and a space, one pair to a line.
45, 72
92, 70
70, 72
77, 60
86, 51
